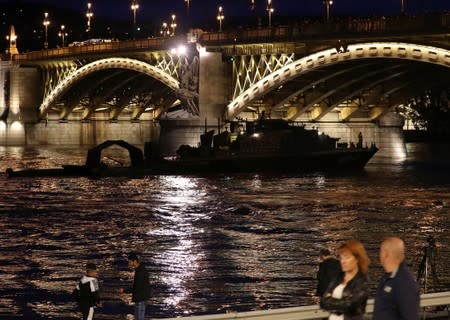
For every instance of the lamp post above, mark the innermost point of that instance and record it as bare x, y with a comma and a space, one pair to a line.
173, 25
328, 4
12, 38
188, 5
253, 6
62, 34
134, 8
164, 29
270, 11
220, 17
402, 8
46, 24
89, 16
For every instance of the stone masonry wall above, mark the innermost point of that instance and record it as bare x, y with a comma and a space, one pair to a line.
90, 133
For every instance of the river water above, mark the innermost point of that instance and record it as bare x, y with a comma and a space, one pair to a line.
212, 243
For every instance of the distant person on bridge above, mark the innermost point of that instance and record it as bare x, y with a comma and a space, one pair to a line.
346, 297
329, 269
398, 296
141, 286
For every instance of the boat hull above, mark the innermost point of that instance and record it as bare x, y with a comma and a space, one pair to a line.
340, 159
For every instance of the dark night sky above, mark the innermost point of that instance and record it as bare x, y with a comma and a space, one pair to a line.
200, 8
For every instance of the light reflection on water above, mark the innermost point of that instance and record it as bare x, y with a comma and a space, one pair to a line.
211, 243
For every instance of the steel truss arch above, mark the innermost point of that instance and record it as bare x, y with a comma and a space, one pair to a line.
319, 111
108, 63
313, 84
248, 70
56, 70
371, 50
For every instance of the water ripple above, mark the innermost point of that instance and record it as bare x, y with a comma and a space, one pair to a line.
212, 244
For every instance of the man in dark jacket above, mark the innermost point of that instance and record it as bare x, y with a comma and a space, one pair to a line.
329, 269
86, 292
141, 286
397, 295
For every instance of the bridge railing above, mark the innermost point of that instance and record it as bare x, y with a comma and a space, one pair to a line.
153, 44
344, 27
314, 312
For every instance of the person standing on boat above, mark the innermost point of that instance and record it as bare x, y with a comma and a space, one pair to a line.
87, 292
398, 296
141, 287
346, 297
329, 269
359, 145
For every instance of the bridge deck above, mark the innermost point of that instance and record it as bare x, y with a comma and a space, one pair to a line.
434, 27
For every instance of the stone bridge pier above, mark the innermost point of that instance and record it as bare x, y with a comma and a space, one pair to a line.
214, 87
20, 94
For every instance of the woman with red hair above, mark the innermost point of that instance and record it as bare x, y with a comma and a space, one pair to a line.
346, 297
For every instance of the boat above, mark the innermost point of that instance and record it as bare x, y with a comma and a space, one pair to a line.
265, 145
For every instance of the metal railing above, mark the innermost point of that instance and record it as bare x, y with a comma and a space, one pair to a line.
152, 44
311, 312
344, 27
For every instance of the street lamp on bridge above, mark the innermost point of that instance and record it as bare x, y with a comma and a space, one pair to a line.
188, 5
220, 17
164, 30
12, 38
402, 7
253, 6
89, 16
62, 34
134, 8
270, 11
46, 24
173, 25
328, 4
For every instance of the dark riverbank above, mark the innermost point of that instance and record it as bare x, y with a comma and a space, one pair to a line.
413, 136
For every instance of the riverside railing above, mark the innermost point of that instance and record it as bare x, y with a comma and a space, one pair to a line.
314, 312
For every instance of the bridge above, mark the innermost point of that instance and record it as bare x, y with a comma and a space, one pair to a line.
343, 77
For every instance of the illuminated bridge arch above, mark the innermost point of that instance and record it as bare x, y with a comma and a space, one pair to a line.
109, 63
392, 50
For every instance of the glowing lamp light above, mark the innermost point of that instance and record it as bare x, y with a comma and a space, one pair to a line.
180, 50
16, 126
202, 51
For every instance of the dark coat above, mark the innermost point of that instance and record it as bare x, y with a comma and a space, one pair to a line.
398, 296
354, 297
141, 285
329, 269
87, 293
